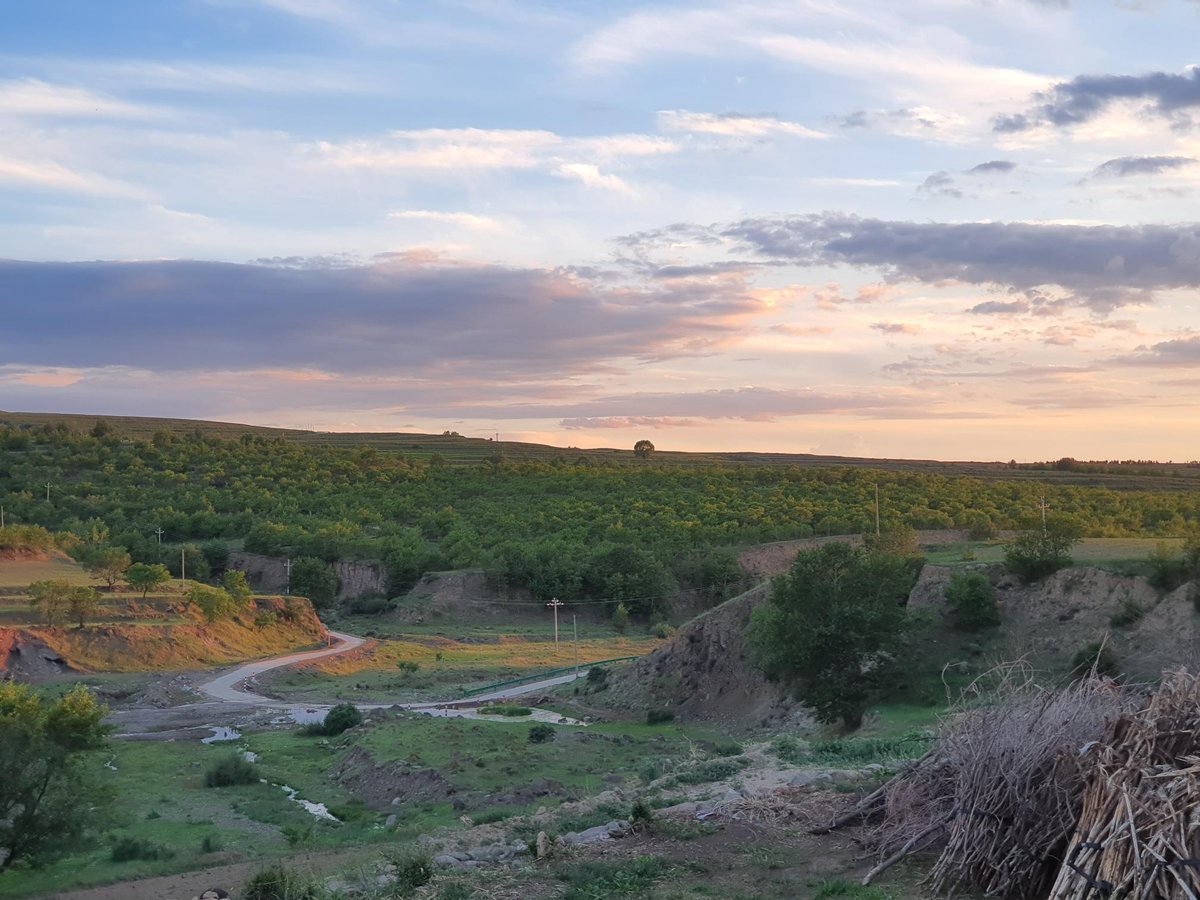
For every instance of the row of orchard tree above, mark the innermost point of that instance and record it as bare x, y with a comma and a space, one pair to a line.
574, 531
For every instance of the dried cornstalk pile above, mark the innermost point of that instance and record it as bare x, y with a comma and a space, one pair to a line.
999, 794
1138, 834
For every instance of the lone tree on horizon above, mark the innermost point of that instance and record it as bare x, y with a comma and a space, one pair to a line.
642, 449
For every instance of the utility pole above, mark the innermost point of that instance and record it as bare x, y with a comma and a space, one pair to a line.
287, 567
575, 628
877, 509
47, 492
183, 563
159, 533
1, 516
554, 604
1042, 506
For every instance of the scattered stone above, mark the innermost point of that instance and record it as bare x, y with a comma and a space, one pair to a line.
807, 779
215, 894
448, 861
731, 795
542, 847
615, 828
391, 821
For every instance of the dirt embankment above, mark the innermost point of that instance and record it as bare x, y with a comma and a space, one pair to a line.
356, 578
1047, 623
705, 673
38, 652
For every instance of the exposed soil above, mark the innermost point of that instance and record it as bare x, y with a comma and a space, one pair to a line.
379, 784
705, 673
766, 560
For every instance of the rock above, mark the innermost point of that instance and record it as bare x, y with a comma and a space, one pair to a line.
460, 855
396, 801
542, 846
731, 795
446, 861
807, 779
391, 821
215, 894
612, 829
844, 776
688, 808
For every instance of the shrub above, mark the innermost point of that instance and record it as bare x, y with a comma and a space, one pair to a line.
341, 718
620, 618
277, 883
602, 880
1095, 656
412, 870
597, 678
541, 734
790, 749
211, 843
313, 579
661, 630
1041, 550
231, 770
659, 716
128, 849
408, 666
1168, 569
712, 770
1130, 613
972, 602
369, 606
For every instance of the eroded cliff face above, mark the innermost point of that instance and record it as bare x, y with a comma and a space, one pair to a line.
356, 578
706, 672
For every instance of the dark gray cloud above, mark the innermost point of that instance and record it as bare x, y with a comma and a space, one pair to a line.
1125, 166
1177, 352
1001, 166
940, 184
1087, 96
1101, 267
392, 315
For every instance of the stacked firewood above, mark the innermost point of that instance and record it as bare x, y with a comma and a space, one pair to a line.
1087, 793
1138, 834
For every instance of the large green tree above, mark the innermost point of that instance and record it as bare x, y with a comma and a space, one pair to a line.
106, 563
833, 627
145, 576
52, 598
314, 579
47, 799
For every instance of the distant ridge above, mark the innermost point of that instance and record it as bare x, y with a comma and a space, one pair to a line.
456, 449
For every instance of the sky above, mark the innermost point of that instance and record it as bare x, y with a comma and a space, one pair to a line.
949, 229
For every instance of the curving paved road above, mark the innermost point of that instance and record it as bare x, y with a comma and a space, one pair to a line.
225, 687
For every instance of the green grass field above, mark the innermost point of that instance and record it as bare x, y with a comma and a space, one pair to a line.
1102, 552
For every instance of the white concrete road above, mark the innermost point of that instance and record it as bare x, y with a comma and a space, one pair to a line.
229, 687
225, 687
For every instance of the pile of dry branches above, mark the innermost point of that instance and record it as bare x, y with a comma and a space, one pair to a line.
1138, 834
999, 793
1080, 794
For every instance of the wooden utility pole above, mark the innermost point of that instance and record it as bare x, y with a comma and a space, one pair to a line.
287, 567
47, 492
554, 604
575, 628
183, 563
1042, 506
877, 509
1, 516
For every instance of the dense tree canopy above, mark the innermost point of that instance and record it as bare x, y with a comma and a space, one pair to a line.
833, 626
549, 526
47, 802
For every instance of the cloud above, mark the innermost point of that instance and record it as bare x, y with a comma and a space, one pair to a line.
1101, 267
604, 422
757, 404
940, 184
1001, 166
896, 327
32, 98
1085, 97
592, 177
405, 313
732, 124
1173, 353
1125, 166
460, 219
